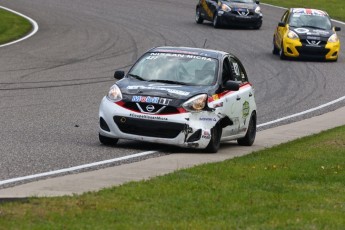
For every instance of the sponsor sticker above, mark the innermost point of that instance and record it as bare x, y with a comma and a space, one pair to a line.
207, 119
245, 109
170, 90
143, 116
151, 100
190, 56
302, 30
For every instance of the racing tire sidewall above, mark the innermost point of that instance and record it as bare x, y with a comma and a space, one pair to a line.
275, 50
198, 17
216, 134
249, 138
107, 140
281, 52
215, 21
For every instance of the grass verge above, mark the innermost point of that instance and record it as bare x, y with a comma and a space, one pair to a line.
335, 8
12, 26
298, 185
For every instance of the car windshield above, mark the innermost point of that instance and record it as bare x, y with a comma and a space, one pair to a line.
312, 21
183, 69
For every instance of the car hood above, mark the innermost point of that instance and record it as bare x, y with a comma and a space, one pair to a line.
237, 5
311, 32
132, 87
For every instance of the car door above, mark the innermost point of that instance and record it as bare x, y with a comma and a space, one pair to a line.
245, 96
281, 30
232, 101
209, 7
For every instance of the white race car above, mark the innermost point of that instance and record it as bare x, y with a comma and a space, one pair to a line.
181, 96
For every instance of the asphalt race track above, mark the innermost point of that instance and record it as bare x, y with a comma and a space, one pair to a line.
52, 83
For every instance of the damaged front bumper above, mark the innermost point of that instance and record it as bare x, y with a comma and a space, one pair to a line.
192, 130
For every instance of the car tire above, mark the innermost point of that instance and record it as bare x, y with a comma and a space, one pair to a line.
249, 138
275, 50
198, 18
216, 134
215, 21
107, 140
281, 52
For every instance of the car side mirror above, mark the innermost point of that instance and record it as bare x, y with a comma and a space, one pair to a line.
281, 24
119, 74
232, 85
337, 28
257, 2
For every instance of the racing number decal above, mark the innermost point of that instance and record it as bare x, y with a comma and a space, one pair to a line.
206, 8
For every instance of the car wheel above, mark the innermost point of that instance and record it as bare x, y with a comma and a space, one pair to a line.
107, 140
216, 134
198, 17
275, 49
216, 20
281, 52
249, 138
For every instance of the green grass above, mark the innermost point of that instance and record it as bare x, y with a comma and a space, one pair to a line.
335, 8
298, 185
12, 26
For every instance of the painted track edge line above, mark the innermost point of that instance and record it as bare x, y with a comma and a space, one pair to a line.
303, 112
71, 169
33, 23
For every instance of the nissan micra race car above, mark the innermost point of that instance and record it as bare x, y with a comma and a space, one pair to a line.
181, 96
243, 13
306, 33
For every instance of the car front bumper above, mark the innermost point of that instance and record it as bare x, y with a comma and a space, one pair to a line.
233, 19
294, 48
192, 130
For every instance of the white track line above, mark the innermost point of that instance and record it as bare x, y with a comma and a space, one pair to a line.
302, 113
34, 24
65, 170
76, 168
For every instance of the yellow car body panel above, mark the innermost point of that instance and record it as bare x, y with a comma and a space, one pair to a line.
334, 48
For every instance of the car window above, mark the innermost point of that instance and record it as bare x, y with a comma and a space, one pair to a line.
237, 70
180, 68
308, 20
226, 72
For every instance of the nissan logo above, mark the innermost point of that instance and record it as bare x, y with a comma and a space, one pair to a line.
150, 108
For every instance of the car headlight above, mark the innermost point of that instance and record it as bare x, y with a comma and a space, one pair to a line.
226, 8
333, 38
292, 35
114, 93
196, 103
258, 10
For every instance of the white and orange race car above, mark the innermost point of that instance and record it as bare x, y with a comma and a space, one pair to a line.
188, 97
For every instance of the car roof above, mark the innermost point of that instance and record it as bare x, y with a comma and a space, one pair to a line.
190, 51
308, 11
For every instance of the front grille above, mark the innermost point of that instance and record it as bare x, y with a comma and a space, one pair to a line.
242, 13
313, 51
316, 42
143, 108
143, 127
